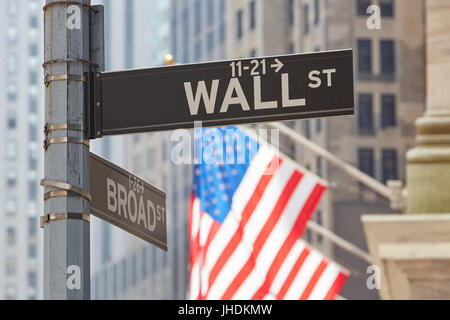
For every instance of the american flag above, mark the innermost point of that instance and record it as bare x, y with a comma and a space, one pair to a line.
246, 217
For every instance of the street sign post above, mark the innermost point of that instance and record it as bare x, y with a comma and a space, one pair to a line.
128, 202
222, 93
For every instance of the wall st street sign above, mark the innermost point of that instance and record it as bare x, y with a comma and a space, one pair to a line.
128, 202
222, 93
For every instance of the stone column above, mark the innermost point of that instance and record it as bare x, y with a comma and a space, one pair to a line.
413, 250
428, 170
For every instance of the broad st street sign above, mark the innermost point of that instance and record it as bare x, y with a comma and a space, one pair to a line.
128, 202
222, 93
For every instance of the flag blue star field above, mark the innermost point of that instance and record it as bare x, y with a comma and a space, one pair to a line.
248, 211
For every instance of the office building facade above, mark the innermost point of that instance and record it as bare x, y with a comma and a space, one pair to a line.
21, 107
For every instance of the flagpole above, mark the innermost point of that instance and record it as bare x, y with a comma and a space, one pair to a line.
393, 192
341, 242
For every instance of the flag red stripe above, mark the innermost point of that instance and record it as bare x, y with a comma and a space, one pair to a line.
212, 234
191, 212
194, 244
263, 235
313, 281
336, 286
296, 232
291, 277
246, 214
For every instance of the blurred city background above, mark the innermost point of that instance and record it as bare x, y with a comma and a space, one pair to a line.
389, 96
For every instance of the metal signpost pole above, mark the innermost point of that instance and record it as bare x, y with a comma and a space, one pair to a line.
66, 208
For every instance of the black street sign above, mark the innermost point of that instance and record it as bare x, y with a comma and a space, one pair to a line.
222, 93
128, 202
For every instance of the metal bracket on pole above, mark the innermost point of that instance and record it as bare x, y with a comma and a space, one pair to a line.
66, 187
62, 77
93, 112
93, 106
63, 216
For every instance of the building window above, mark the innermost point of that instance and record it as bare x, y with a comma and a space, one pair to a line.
185, 26
12, 120
33, 105
389, 158
210, 12
129, 34
137, 164
32, 279
316, 11
319, 166
239, 24
11, 150
388, 113
32, 132
252, 15
291, 48
198, 21
318, 125
10, 266
365, 56
33, 50
12, 34
32, 251
11, 92
12, 63
290, 12
365, 114
33, 77
33, 5
307, 129
319, 221
11, 206
32, 226
387, 57
387, 8
11, 178
366, 161
210, 41
362, 6
151, 159
222, 32
32, 190
33, 22
32, 161
11, 236
13, 8
198, 50
306, 18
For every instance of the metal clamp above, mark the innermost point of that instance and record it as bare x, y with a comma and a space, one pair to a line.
62, 127
49, 141
63, 77
52, 4
64, 188
70, 61
64, 216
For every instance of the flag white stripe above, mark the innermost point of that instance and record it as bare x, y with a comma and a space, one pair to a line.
194, 281
195, 225
203, 275
277, 237
251, 231
304, 276
287, 266
325, 282
205, 226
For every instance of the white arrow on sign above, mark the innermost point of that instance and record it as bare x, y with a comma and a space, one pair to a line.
278, 65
